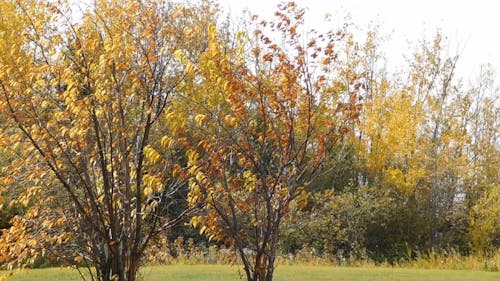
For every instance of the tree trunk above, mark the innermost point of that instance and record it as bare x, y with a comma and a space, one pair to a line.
132, 270
104, 271
114, 270
270, 268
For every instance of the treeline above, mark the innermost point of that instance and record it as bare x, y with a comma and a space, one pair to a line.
151, 119
418, 172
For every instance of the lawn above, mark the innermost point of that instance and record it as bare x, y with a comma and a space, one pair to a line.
283, 273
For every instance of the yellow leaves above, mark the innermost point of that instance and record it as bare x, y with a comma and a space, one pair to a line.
76, 132
396, 178
200, 178
485, 221
192, 157
152, 184
212, 32
200, 118
181, 56
45, 105
203, 229
171, 116
151, 154
249, 180
102, 96
195, 221
190, 69
126, 60
167, 142
176, 121
194, 193
390, 123
100, 113
240, 35
203, 225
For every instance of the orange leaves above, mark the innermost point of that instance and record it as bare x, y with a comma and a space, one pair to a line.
268, 57
329, 48
311, 43
230, 121
141, 101
262, 123
256, 52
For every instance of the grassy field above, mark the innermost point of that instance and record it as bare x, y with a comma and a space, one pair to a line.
283, 273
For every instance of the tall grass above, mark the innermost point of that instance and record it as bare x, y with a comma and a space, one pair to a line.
187, 252
452, 259
447, 259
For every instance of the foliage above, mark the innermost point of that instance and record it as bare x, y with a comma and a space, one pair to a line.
265, 121
85, 103
419, 161
121, 123
485, 223
367, 224
421, 137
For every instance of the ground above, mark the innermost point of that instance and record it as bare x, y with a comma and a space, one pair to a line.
283, 273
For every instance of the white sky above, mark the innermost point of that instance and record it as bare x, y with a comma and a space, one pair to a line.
471, 26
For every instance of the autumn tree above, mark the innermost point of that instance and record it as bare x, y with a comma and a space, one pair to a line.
85, 101
485, 223
419, 136
483, 128
266, 113
484, 153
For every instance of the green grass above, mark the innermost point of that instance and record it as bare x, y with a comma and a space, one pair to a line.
283, 273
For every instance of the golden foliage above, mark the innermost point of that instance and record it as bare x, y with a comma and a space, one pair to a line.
84, 101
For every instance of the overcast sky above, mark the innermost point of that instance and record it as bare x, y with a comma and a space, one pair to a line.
472, 27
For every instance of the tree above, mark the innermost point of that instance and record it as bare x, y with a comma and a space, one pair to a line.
266, 116
86, 103
482, 194
432, 141
485, 223
483, 127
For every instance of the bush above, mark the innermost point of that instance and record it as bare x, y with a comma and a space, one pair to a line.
366, 223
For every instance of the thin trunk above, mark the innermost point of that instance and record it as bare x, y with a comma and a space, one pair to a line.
104, 273
133, 267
